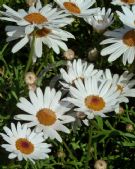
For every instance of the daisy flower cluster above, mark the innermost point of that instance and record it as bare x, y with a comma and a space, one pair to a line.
96, 92
90, 92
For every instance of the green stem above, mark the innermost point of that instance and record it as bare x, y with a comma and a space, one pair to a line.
44, 63
27, 164
51, 57
30, 55
103, 3
71, 154
89, 148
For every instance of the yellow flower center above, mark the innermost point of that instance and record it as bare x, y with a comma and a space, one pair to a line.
128, 1
120, 88
46, 117
71, 7
95, 103
36, 18
25, 146
129, 38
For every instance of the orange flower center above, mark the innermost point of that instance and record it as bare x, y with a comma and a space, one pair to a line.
95, 103
46, 117
25, 146
129, 38
36, 18
42, 32
128, 1
120, 88
71, 7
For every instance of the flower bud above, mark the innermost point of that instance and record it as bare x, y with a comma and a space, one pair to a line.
61, 154
30, 78
129, 128
93, 54
69, 54
32, 87
120, 110
80, 115
30, 2
100, 164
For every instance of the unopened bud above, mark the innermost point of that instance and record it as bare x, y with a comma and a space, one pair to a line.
69, 54
30, 2
120, 110
93, 54
32, 87
61, 154
100, 164
80, 115
30, 78
129, 128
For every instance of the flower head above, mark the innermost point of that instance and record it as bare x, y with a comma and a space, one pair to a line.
24, 143
45, 112
124, 83
121, 42
77, 7
52, 37
94, 97
78, 70
36, 17
101, 20
128, 16
123, 2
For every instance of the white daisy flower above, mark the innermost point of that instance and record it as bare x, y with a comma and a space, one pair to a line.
80, 8
102, 20
94, 97
45, 112
52, 37
122, 43
37, 17
78, 69
128, 16
123, 2
22, 143
124, 83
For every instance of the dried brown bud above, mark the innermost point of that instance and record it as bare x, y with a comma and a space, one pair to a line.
69, 54
100, 164
129, 128
93, 54
30, 78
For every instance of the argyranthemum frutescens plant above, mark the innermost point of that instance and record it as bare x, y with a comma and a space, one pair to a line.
83, 93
